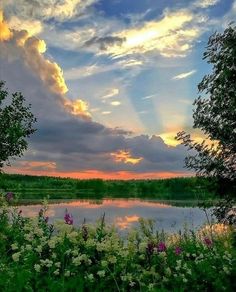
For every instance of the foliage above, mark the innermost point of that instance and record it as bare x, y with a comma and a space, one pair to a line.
16, 124
61, 257
215, 114
35, 187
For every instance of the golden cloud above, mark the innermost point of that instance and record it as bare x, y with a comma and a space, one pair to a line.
32, 50
125, 156
77, 107
170, 36
5, 33
33, 27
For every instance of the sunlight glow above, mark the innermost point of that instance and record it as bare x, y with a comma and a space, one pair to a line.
125, 156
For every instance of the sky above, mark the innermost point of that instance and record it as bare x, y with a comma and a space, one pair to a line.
111, 82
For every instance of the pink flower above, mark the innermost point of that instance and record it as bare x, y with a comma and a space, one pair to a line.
161, 247
208, 242
68, 218
178, 250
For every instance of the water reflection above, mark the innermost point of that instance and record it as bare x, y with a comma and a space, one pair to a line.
124, 213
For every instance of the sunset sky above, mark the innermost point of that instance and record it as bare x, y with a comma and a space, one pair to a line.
111, 82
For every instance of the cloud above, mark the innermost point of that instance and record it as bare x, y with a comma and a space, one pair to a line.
115, 103
31, 49
105, 42
5, 31
184, 75
77, 107
125, 157
44, 10
106, 112
205, 3
33, 27
170, 36
68, 140
110, 93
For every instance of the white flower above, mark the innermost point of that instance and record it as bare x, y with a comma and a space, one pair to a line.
52, 242
14, 246
131, 284
104, 264
28, 247
58, 264
112, 259
101, 273
37, 268
67, 274
16, 256
39, 249
90, 277
56, 272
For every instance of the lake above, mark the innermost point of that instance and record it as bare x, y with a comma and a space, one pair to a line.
124, 213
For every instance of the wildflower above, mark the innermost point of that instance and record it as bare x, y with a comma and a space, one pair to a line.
9, 197
28, 247
178, 250
90, 277
207, 242
39, 249
101, 273
58, 264
112, 259
67, 274
68, 218
161, 247
150, 286
16, 256
56, 272
14, 246
131, 283
104, 264
168, 271
37, 268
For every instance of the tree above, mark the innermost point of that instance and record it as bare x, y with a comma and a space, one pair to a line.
215, 113
16, 124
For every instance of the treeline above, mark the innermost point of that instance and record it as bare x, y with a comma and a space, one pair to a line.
38, 187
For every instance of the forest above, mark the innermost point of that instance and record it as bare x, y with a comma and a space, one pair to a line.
38, 187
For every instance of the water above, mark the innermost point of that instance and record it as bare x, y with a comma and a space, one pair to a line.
124, 213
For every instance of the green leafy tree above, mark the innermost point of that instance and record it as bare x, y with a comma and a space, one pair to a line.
16, 124
215, 115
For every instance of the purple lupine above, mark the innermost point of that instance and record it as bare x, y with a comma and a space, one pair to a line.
68, 218
9, 196
208, 242
178, 250
161, 247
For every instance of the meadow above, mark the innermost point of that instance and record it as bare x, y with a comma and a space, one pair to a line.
36, 255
